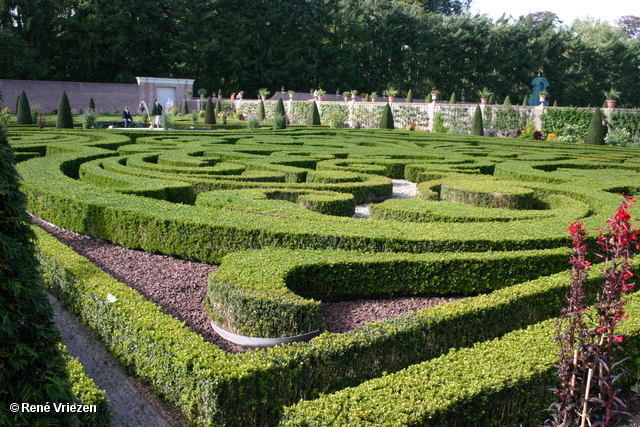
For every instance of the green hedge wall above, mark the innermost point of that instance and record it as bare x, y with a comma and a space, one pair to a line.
503, 382
259, 293
214, 388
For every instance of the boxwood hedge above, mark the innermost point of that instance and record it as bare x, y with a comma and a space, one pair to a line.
213, 388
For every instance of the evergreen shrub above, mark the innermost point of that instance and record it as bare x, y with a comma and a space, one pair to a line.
386, 122
65, 117
595, 134
210, 114
32, 368
23, 113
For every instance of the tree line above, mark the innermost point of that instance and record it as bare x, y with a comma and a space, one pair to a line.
337, 45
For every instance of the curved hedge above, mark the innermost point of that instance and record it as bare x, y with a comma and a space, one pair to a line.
254, 207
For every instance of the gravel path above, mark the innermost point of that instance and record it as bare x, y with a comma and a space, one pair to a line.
131, 404
402, 189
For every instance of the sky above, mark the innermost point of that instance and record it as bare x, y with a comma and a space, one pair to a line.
567, 10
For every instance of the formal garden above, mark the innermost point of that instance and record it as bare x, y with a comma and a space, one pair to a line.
273, 205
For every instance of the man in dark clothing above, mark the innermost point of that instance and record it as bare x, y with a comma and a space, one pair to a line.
127, 120
157, 111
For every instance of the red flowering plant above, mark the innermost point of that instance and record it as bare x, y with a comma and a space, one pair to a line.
588, 369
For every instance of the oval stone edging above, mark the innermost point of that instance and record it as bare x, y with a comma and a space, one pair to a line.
261, 342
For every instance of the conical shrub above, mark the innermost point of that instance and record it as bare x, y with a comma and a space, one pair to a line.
210, 114
217, 107
314, 115
492, 99
261, 113
453, 99
477, 128
280, 111
386, 122
92, 105
185, 108
33, 369
595, 135
410, 96
507, 101
23, 115
65, 118
429, 99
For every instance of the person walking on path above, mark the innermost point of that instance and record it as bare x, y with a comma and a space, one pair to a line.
157, 111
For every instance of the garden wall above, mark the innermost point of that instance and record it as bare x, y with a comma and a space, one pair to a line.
440, 117
107, 96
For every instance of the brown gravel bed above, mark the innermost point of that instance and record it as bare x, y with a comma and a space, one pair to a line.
179, 287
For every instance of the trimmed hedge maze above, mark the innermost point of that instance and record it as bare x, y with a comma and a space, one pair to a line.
275, 210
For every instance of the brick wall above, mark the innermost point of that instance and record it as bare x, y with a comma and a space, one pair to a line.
107, 96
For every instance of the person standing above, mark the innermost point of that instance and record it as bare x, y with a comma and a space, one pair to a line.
127, 120
157, 111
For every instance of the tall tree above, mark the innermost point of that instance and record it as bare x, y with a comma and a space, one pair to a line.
32, 368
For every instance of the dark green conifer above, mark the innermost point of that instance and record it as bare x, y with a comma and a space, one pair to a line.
210, 114
477, 128
387, 118
429, 99
492, 99
314, 115
185, 108
280, 111
23, 115
410, 96
507, 101
595, 135
92, 106
32, 368
65, 118
261, 113
453, 99
217, 107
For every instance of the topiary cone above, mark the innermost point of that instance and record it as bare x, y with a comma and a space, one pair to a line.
261, 113
387, 118
23, 115
477, 128
453, 99
595, 135
410, 96
185, 108
65, 118
280, 111
92, 105
210, 114
507, 101
314, 115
